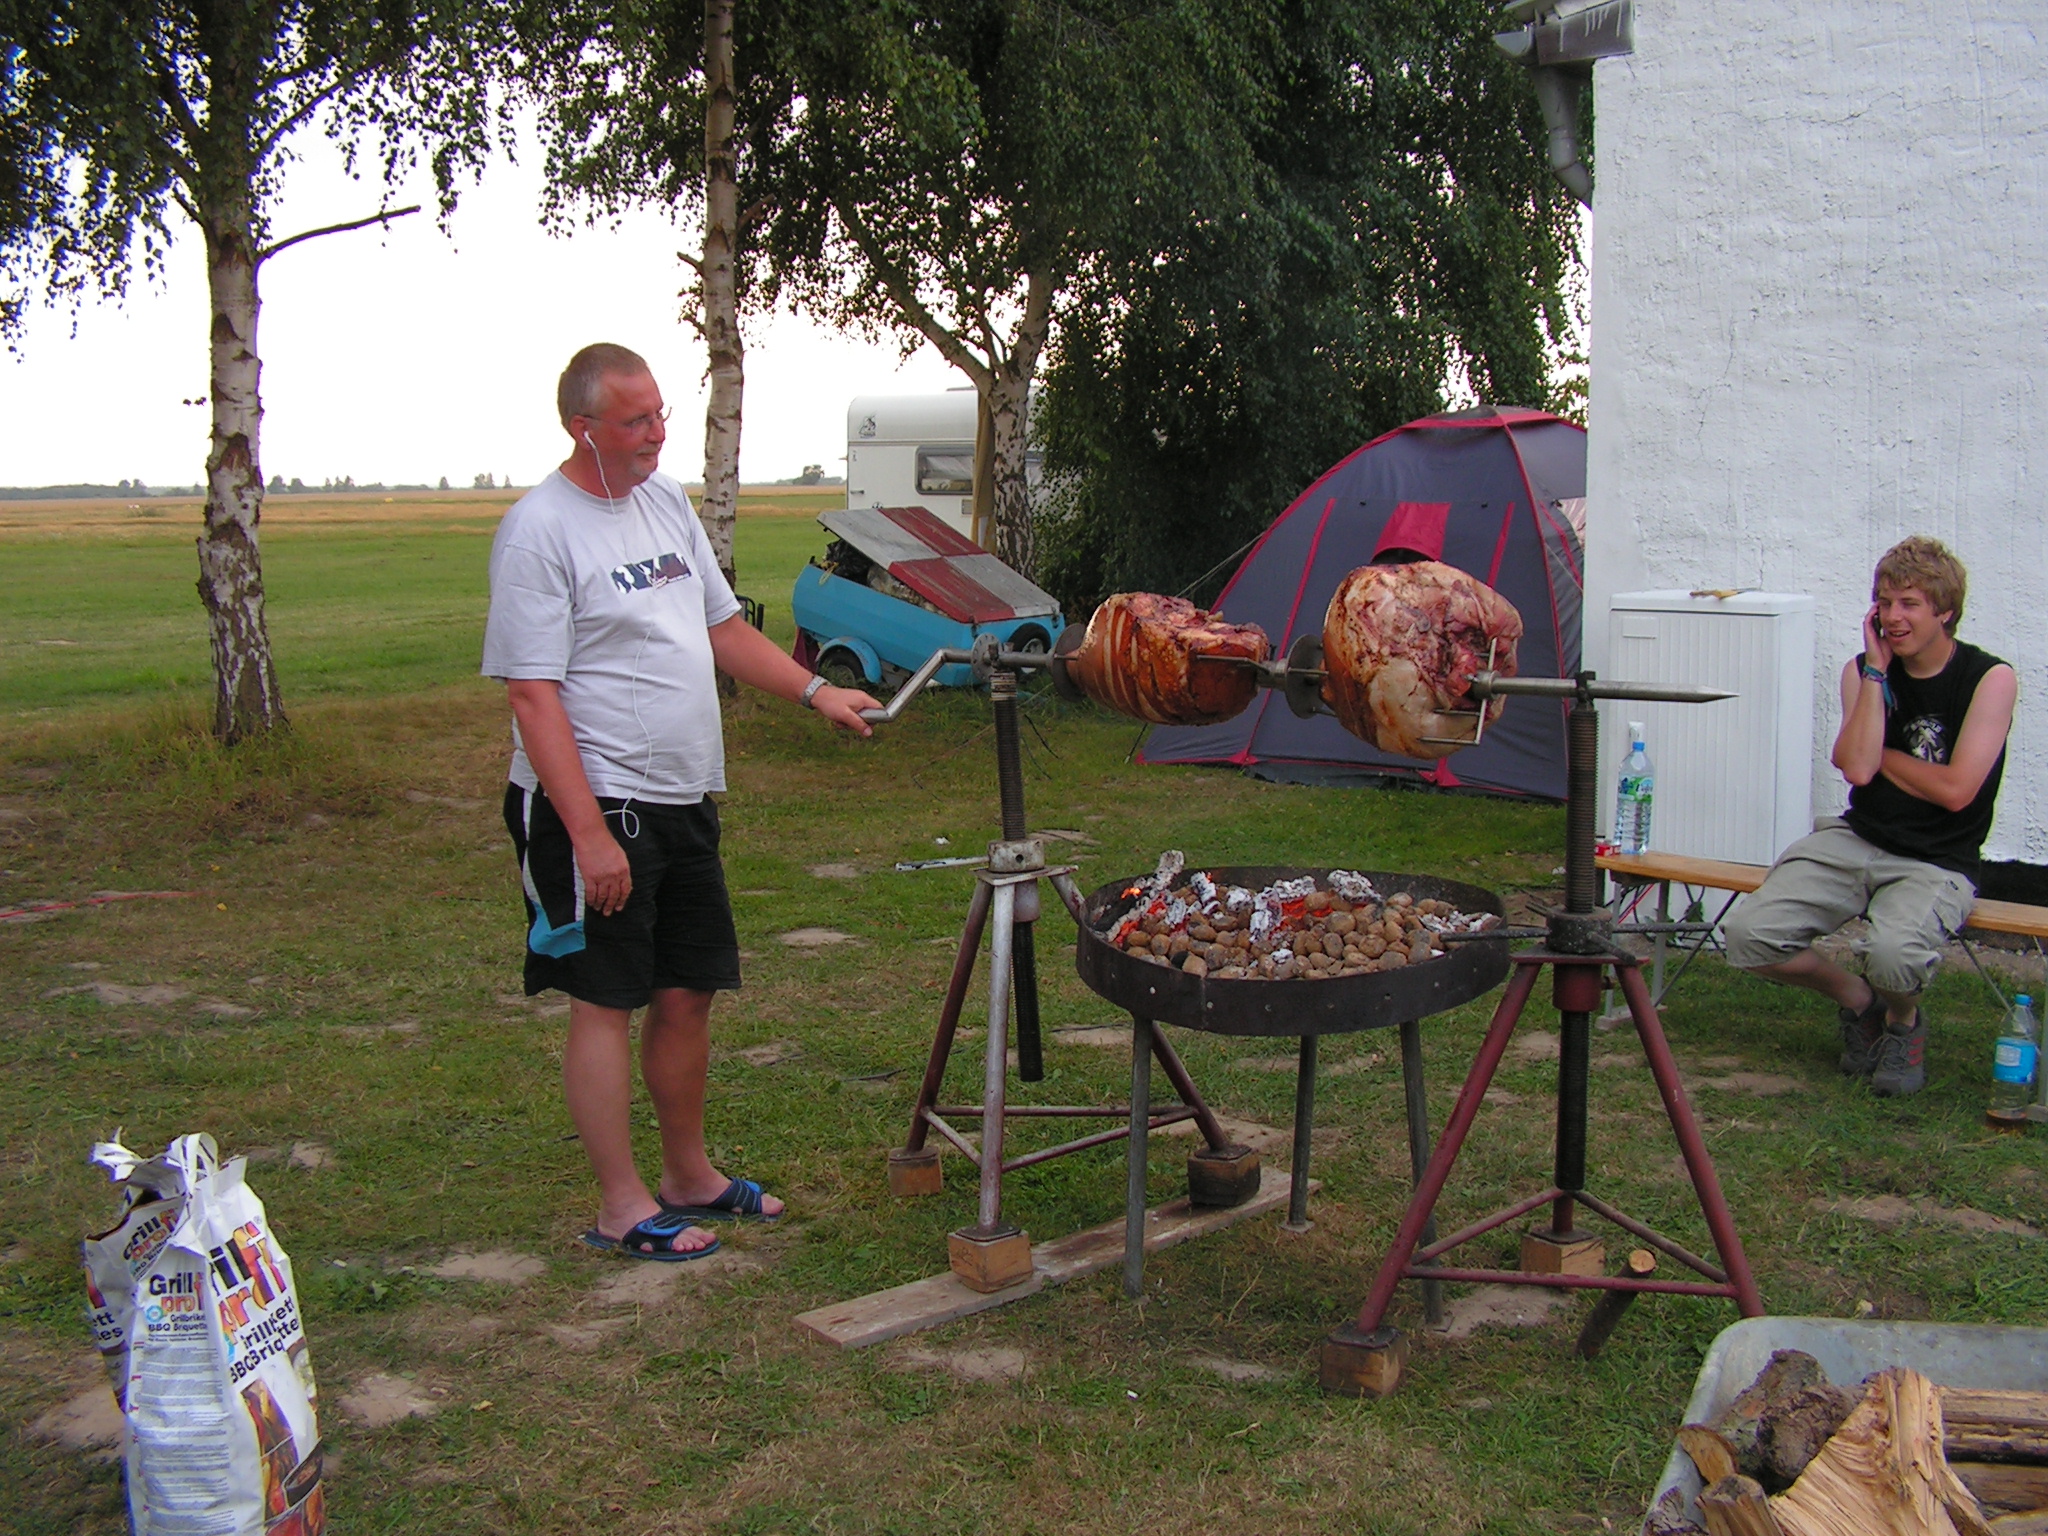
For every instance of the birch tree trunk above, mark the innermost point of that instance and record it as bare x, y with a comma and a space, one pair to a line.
246, 699
718, 290
1007, 394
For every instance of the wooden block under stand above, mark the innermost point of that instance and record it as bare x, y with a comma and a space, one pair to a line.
915, 1173
991, 1261
1543, 1254
1222, 1176
1355, 1364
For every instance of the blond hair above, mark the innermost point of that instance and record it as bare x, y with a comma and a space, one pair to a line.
580, 391
1929, 565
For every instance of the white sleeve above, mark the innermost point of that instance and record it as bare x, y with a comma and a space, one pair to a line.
531, 627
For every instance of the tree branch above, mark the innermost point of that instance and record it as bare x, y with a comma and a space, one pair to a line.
381, 216
312, 104
950, 346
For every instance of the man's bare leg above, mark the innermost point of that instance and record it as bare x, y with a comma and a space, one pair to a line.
1816, 973
675, 1059
597, 1081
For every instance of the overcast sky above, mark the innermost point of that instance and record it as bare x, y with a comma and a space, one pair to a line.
408, 354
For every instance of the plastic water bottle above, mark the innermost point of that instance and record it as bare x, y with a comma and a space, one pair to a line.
2013, 1063
1632, 797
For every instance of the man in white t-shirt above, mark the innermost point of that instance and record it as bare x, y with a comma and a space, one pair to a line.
609, 619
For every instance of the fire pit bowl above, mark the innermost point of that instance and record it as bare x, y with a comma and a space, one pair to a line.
1301, 1006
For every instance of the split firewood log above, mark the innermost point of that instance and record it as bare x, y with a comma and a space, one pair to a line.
1883, 1473
1787, 1373
1794, 1428
2008, 1488
1736, 1506
2034, 1523
1985, 1424
1668, 1518
1710, 1452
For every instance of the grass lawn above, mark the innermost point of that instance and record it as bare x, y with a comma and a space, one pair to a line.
344, 1006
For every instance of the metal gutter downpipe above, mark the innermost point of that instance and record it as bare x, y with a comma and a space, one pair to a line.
1558, 90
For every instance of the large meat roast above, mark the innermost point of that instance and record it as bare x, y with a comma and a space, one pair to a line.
1142, 657
1400, 645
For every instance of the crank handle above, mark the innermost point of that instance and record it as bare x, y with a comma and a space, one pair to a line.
985, 656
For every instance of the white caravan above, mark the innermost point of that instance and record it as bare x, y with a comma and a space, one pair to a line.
916, 451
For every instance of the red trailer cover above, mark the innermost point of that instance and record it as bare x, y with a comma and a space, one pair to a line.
948, 570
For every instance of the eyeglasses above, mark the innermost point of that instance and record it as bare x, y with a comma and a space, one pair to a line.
640, 426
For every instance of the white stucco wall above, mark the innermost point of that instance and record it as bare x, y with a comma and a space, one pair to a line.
1820, 323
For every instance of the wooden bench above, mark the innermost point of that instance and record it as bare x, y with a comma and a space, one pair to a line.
1664, 870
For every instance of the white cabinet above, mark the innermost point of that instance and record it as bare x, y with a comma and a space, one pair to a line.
1734, 778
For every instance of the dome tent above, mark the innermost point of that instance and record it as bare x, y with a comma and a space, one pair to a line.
1495, 491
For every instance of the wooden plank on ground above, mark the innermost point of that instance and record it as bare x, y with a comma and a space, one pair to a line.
885, 1315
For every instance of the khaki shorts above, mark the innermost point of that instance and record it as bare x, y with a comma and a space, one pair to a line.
1822, 881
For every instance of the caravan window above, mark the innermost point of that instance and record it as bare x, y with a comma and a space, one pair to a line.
945, 471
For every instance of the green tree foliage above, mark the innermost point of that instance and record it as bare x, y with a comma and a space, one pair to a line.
1401, 226
931, 171
120, 122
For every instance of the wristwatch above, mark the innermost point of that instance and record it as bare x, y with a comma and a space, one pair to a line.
810, 693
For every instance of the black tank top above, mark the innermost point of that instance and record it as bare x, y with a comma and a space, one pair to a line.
1924, 722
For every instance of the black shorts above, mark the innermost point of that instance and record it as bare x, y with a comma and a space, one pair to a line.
676, 928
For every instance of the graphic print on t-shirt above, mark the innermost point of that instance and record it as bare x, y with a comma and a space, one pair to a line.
1925, 739
640, 575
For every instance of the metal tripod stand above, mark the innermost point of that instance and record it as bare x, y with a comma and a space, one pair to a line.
994, 1254
1366, 1358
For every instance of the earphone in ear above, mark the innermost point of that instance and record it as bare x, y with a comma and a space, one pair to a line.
586, 439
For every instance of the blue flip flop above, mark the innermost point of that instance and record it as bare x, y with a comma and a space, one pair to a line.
651, 1240
740, 1202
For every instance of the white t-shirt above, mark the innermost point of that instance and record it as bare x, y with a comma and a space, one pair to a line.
613, 600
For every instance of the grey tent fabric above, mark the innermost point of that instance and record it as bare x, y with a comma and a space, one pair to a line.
1500, 487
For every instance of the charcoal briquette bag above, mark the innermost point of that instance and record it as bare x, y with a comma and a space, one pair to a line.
192, 1305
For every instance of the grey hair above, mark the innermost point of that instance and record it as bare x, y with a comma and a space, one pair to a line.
582, 381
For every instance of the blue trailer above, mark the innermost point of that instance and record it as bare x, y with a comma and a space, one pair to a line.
897, 584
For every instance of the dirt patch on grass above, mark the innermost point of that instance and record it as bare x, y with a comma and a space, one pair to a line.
1102, 1037
816, 938
1235, 1370
648, 1284
378, 1401
113, 995
772, 1053
1503, 1306
89, 1422
499, 1265
1757, 1085
585, 1337
835, 871
1532, 1045
983, 1365
1890, 1210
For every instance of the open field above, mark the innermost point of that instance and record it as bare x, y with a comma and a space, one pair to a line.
368, 593
338, 996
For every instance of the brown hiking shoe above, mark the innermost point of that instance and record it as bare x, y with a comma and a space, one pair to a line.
1898, 1064
1859, 1033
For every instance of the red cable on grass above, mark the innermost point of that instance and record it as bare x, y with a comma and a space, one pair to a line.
37, 908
